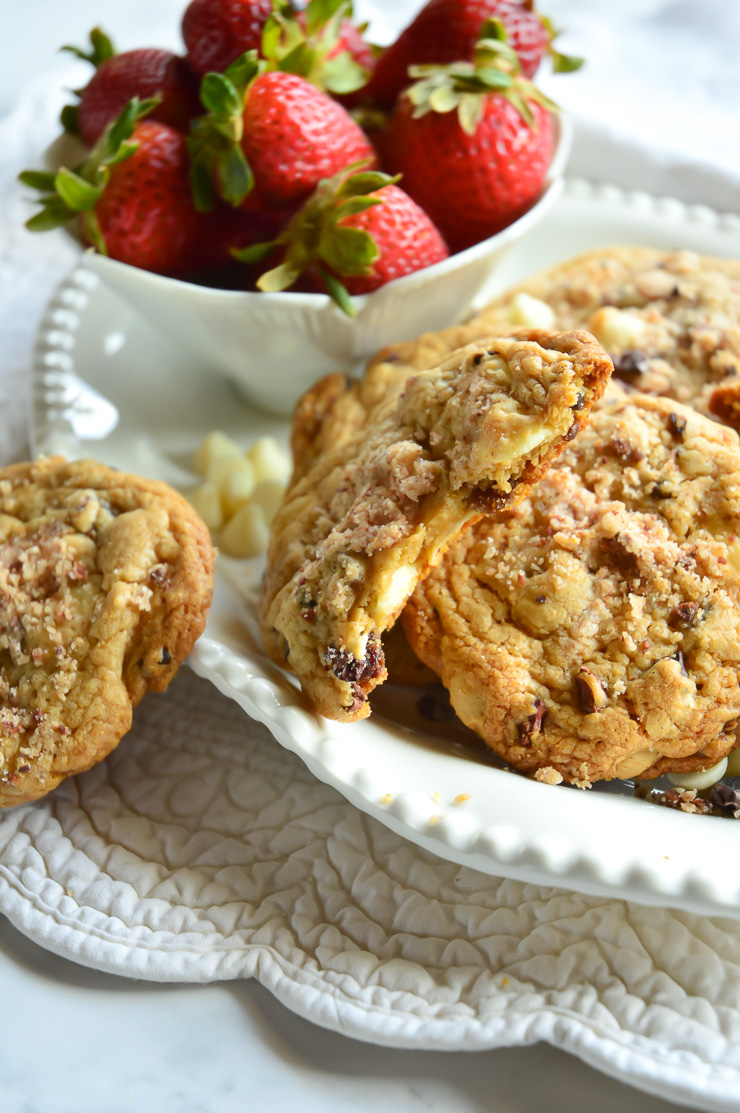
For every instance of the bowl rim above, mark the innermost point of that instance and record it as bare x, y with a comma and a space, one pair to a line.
553, 183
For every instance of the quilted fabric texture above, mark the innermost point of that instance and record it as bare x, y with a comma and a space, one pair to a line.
200, 850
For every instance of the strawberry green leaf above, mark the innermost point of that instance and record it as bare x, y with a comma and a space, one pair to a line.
342, 74
299, 61
319, 12
102, 48
444, 99
77, 194
280, 278
122, 128
124, 151
93, 235
201, 186
565, 63
491, 78
219, 95
369, 181
53, 214
244, 70
255, 253
520, 103
69, 118
235, 176
356, 205
338, 293
348, 251
38, 179
470, 112
493, 29
271, 35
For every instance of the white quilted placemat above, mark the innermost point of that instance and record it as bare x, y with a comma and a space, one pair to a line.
200, 850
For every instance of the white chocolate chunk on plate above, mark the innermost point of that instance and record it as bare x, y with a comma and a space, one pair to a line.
215, 445
247, 534
206, 502
269, 460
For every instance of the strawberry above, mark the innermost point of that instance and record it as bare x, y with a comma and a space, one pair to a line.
473, 142
321, 44
446, 31
294, 135
273, 131
217, 32
132, 194
356, 233
120, 77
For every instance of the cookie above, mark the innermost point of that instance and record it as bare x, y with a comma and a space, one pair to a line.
594, 631
670, 321
105, 584
364, 519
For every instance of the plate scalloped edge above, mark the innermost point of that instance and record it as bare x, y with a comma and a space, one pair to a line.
460, 836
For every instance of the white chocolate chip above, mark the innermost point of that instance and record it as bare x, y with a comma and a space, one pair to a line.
247, 534
215, 445
206, 501
269, 460
268, 495
702, 778
237, 488
531, 312
617, 329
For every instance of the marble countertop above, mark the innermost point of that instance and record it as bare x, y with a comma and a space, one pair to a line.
75, 1041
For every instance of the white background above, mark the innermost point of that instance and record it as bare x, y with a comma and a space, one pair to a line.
73, 1041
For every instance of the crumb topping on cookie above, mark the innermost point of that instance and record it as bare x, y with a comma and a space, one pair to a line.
596, 631
363, 521
669, 320
95, 570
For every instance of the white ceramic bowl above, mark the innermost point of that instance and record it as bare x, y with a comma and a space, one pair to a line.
274, 346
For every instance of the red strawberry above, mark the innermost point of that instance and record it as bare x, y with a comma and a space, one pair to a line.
358, 232
473, 142
217, 32
295, 135
225, 229
405, 237
143, 74
133, 195
446, 31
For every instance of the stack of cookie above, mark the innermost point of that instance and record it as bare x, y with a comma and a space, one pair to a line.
575, 584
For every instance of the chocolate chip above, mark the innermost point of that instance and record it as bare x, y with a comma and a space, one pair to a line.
621, 447
726, 794
631, 364
165, 657
573, 431
477, 359
533, 724
681, 664
590, 691
348, 668
24, 768
684, 614
158, 574
659, 492
620, 556
540, 599
579, 403
677, 426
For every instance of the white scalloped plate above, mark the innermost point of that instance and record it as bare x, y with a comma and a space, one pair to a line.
107, 385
